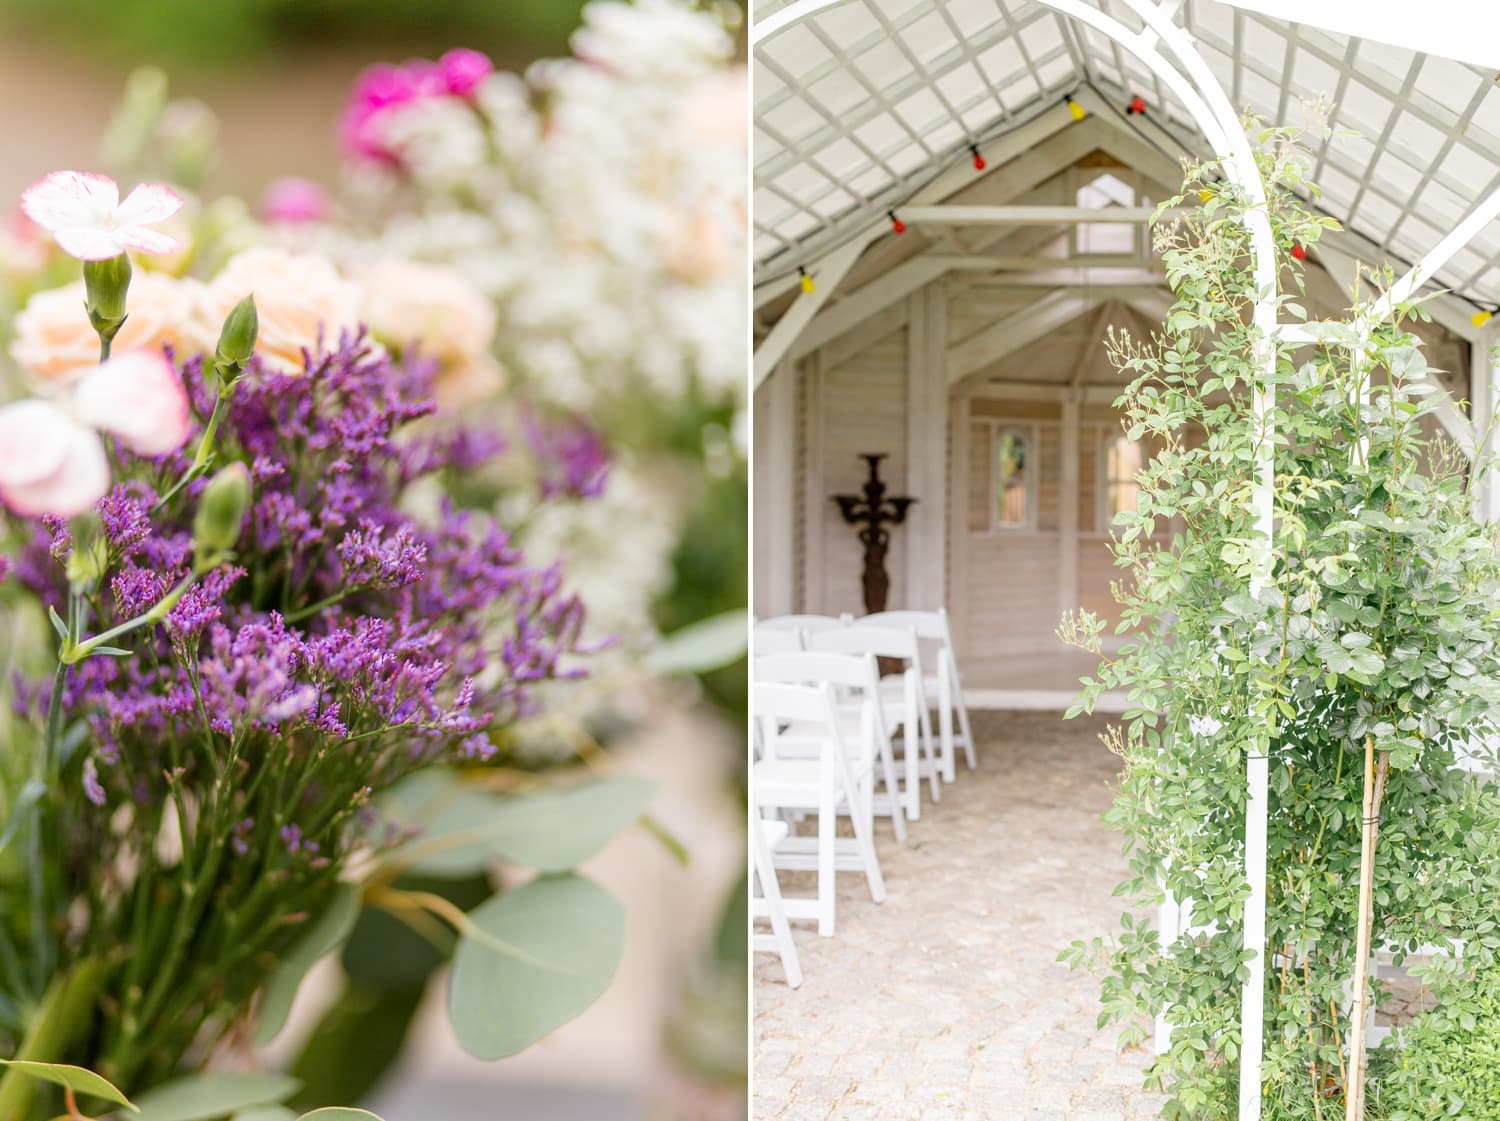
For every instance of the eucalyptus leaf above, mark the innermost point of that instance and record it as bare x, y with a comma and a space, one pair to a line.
534, 958
326, 934
206, 1097
339, 1113
550, 831
699, 647
30, 794
77, 1079
266, 1113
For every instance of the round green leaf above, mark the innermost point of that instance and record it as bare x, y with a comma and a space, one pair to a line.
77, 1079
702, 646
339, 1113
533, 959
266, 1113
551, 831
325, 935
202, 1097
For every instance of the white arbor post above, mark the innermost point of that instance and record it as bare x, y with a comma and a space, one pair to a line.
927, 447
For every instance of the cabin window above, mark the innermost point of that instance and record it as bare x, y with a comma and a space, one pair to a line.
1015, 478
1103, 193
1122, 461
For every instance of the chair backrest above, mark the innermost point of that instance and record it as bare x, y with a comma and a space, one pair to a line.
808, 623
884, 642
927, 624
775, 705
855, 671
774, 640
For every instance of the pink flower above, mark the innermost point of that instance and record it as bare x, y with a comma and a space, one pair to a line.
52, 459
463, 70
377, 90
84, 213
292, 201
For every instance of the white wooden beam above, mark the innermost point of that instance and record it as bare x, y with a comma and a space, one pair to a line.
927, 448
869, 300
955, 215
776, 345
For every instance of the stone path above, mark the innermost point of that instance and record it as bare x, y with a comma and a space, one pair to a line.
946, 1002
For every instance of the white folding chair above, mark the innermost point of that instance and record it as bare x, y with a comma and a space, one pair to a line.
856, 682
904, 705
827, 785
766, 639
807, 623
945, 685
766, 903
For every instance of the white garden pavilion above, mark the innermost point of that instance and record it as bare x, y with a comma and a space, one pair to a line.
968, 348
982, 323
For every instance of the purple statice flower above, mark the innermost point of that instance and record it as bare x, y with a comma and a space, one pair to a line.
91, 788
350, 642
125, 517
5, 566
373, 558
572, 459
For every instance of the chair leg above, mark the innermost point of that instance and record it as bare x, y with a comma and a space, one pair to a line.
929, 745
912, 751
963, 718
781, 929
864, 842
893, 792
827, 840
945, 729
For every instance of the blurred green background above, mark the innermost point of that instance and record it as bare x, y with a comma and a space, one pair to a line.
198, 35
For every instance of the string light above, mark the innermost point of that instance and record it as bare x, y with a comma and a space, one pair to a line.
1137, 105
1481, 317
1078, 111
978, 159
1299, 251
897, 226
807, 281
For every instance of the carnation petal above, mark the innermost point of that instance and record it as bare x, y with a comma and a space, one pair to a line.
139, 398
70, 198
80, 479
34, 437
149, 202
88, 243
144, 241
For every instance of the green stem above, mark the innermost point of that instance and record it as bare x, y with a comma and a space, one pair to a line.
77, 652
59, 1022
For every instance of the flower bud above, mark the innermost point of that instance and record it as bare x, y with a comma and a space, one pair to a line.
90, 555
237, 338
105, 284
221, 513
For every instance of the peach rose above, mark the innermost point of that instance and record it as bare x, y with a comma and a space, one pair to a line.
297, 296
53, 335
408, 303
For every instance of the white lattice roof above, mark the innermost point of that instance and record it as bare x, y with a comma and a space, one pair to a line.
860, 105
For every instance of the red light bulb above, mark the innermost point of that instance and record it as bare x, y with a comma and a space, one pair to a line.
1137, 105
897, 226
1299, 251
978, 159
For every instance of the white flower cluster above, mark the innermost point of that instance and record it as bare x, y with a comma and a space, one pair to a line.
599, 202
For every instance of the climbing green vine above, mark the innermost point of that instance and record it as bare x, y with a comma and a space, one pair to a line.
1380, 624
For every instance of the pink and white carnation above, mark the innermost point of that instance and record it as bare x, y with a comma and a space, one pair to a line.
83, 212
52, 454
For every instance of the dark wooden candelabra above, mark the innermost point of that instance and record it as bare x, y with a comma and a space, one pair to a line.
873, 512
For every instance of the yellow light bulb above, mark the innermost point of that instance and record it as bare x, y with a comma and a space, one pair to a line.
807, 284
1078, 111
1481, 317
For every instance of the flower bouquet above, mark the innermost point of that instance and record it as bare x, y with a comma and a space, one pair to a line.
269, 674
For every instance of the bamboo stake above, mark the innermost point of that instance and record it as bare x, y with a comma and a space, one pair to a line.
1374, 793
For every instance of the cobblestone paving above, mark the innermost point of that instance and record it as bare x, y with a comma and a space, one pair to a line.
946, 1002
